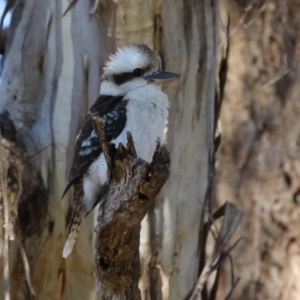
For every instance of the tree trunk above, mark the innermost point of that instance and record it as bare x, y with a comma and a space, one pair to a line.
258, 161
176, 221
51, 75
171, 232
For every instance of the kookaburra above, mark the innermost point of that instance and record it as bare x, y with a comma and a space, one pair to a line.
131, 100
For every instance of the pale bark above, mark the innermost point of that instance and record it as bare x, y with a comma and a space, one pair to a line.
185, 34
258, 161
47, 88
50, 76
190, 51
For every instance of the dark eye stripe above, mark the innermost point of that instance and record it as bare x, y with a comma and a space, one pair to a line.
127, 76
122, 78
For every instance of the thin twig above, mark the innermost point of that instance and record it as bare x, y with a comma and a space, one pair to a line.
234, 245
232, 289
233, 282
213, 233
232, 270
27, 271
6, 235
225, 254
203, 277
214, 289
231, 220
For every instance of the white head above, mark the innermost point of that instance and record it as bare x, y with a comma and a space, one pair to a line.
133, 67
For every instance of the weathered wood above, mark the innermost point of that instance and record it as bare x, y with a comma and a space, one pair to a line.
23, 214
133, 188
258, 161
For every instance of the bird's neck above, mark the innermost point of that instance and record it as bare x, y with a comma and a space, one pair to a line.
110, 88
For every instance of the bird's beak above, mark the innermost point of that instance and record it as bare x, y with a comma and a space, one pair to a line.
161, 77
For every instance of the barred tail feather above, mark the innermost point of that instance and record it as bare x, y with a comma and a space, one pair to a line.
76, 219
72, 235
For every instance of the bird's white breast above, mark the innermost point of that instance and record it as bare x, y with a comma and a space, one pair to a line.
147, 113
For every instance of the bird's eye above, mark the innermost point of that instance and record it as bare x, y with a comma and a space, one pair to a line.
138, 72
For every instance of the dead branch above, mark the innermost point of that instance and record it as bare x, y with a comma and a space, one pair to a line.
27, 272
22, 213
231, 219
133, 188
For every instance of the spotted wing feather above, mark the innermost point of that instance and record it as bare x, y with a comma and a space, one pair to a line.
87, 148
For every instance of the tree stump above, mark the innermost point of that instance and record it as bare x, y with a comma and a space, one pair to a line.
134, 184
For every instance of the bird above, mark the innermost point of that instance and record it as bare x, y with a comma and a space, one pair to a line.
130, 100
